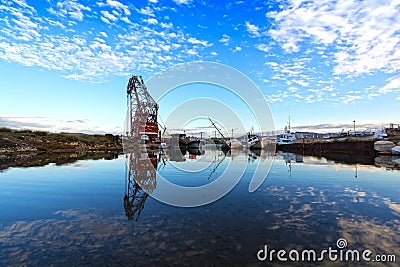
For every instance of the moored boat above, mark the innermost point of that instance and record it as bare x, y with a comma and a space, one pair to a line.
253, 141
393, 131
193, 142
285, 139
178, 140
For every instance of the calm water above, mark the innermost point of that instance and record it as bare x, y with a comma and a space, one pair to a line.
91, 212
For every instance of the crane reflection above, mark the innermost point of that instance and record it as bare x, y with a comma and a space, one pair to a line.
141, 180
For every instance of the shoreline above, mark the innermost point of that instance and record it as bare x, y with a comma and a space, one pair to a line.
27, 141
37, 159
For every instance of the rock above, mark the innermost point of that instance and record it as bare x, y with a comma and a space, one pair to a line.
384, 146
396, 150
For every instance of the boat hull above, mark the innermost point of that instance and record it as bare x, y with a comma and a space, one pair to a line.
392, 132
194, 144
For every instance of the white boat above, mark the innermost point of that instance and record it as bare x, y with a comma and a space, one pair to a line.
254, 142
285, 139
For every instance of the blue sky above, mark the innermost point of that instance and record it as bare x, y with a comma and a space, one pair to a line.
65, 64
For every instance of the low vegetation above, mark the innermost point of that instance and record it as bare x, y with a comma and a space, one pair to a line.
30, 140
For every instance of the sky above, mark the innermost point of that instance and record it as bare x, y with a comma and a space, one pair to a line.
65, 64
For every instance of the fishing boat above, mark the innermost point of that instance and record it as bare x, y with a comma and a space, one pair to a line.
178, 141
193, 142
253, 141
392, 131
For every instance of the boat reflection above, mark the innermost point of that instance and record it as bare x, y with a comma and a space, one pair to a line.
196, 151
386, 162
176, 154
142, 167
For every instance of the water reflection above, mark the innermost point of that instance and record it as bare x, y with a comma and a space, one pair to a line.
218, 159
321, 204
386, 162
176, 154
26, 160
141, 180
142, 167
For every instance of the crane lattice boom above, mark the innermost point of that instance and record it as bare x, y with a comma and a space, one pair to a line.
143, 112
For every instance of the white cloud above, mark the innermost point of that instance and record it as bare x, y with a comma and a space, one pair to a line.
262, 47
108, 15
166, 58
277, 97
165, 47
350, 98
237, 49
301, 82
52, 124
23, 4
22, 26
115, 5
152, 21
153, 1
105, 20
165, 25
393, 85
147, 11
82, 54
184, 2
214, 53
252, 29
272, 64
192, 52
225, 39
194, 40
360, 32
71, 8
55, 23
297, 95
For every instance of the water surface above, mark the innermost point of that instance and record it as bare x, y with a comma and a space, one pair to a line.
87, 212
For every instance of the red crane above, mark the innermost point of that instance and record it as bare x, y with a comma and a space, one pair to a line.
143, 111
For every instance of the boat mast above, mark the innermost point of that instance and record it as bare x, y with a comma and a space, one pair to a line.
223, 137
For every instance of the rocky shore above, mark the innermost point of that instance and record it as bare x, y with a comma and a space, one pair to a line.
26, 148
27, 141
